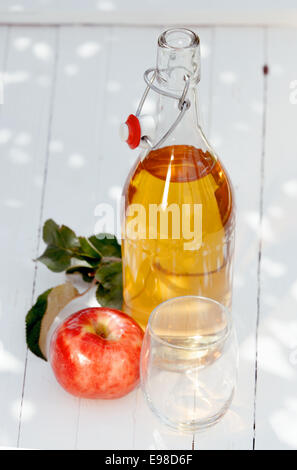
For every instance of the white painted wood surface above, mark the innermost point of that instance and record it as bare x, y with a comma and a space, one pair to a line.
277, 349
149, 12
66, 90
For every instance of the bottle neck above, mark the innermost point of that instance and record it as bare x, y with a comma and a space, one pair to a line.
188, 131
178, 61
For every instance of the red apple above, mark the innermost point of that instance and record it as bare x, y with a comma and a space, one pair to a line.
95, 353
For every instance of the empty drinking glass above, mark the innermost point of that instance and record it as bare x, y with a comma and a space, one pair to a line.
189, 362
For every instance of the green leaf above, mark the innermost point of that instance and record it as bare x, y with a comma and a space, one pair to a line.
62, 237
87, 252
110, 290
109, 274
68, 238
56, 259
106, 244
86, 272
33, 323
51, 232
112, 298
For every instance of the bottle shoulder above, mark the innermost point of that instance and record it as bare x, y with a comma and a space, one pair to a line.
181, 175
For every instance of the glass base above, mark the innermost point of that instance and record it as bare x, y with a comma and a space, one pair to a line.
192, 426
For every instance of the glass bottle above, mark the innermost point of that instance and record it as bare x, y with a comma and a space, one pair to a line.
177, 178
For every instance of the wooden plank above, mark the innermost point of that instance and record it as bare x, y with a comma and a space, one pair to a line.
133, 12
24, 120
132, 51
276, 424
3, 57
236, 133
71, 189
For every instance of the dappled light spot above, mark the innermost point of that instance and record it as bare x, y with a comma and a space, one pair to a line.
76, 161
228, 77
56, 146
247, 349
28, 410
113, 86
284, 422
204, 50
216, 141
274, 359
42, 51
272, 268
22, 139
267, 230
253, 221
149, 105
275, 211
293, 357
284, 330
13, 203
159, 440
88, 49
293, 291
19, 156
115, 193
105, 5
70, 70
238, 281
22, 43
5, 136
17, 7
18, 76
290, 188
8, 363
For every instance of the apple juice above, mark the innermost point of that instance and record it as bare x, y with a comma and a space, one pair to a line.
157, 269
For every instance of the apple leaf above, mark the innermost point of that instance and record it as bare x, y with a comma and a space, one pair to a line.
88, 253
62, 237
106, 244
112, 298
56, 259
65, 248
96, 258
41, 316
33, 323
110, 289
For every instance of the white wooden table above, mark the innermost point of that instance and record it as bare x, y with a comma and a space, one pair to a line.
66, 90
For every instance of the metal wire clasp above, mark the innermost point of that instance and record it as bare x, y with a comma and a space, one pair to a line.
183, 103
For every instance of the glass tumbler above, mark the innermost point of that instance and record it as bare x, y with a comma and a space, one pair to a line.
189, 362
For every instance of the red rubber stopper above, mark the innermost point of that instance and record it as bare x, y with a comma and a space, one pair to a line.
134, 131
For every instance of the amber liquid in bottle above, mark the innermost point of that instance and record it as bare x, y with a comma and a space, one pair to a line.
157, 269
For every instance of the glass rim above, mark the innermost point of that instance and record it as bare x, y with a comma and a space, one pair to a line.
194, 38
185, 348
